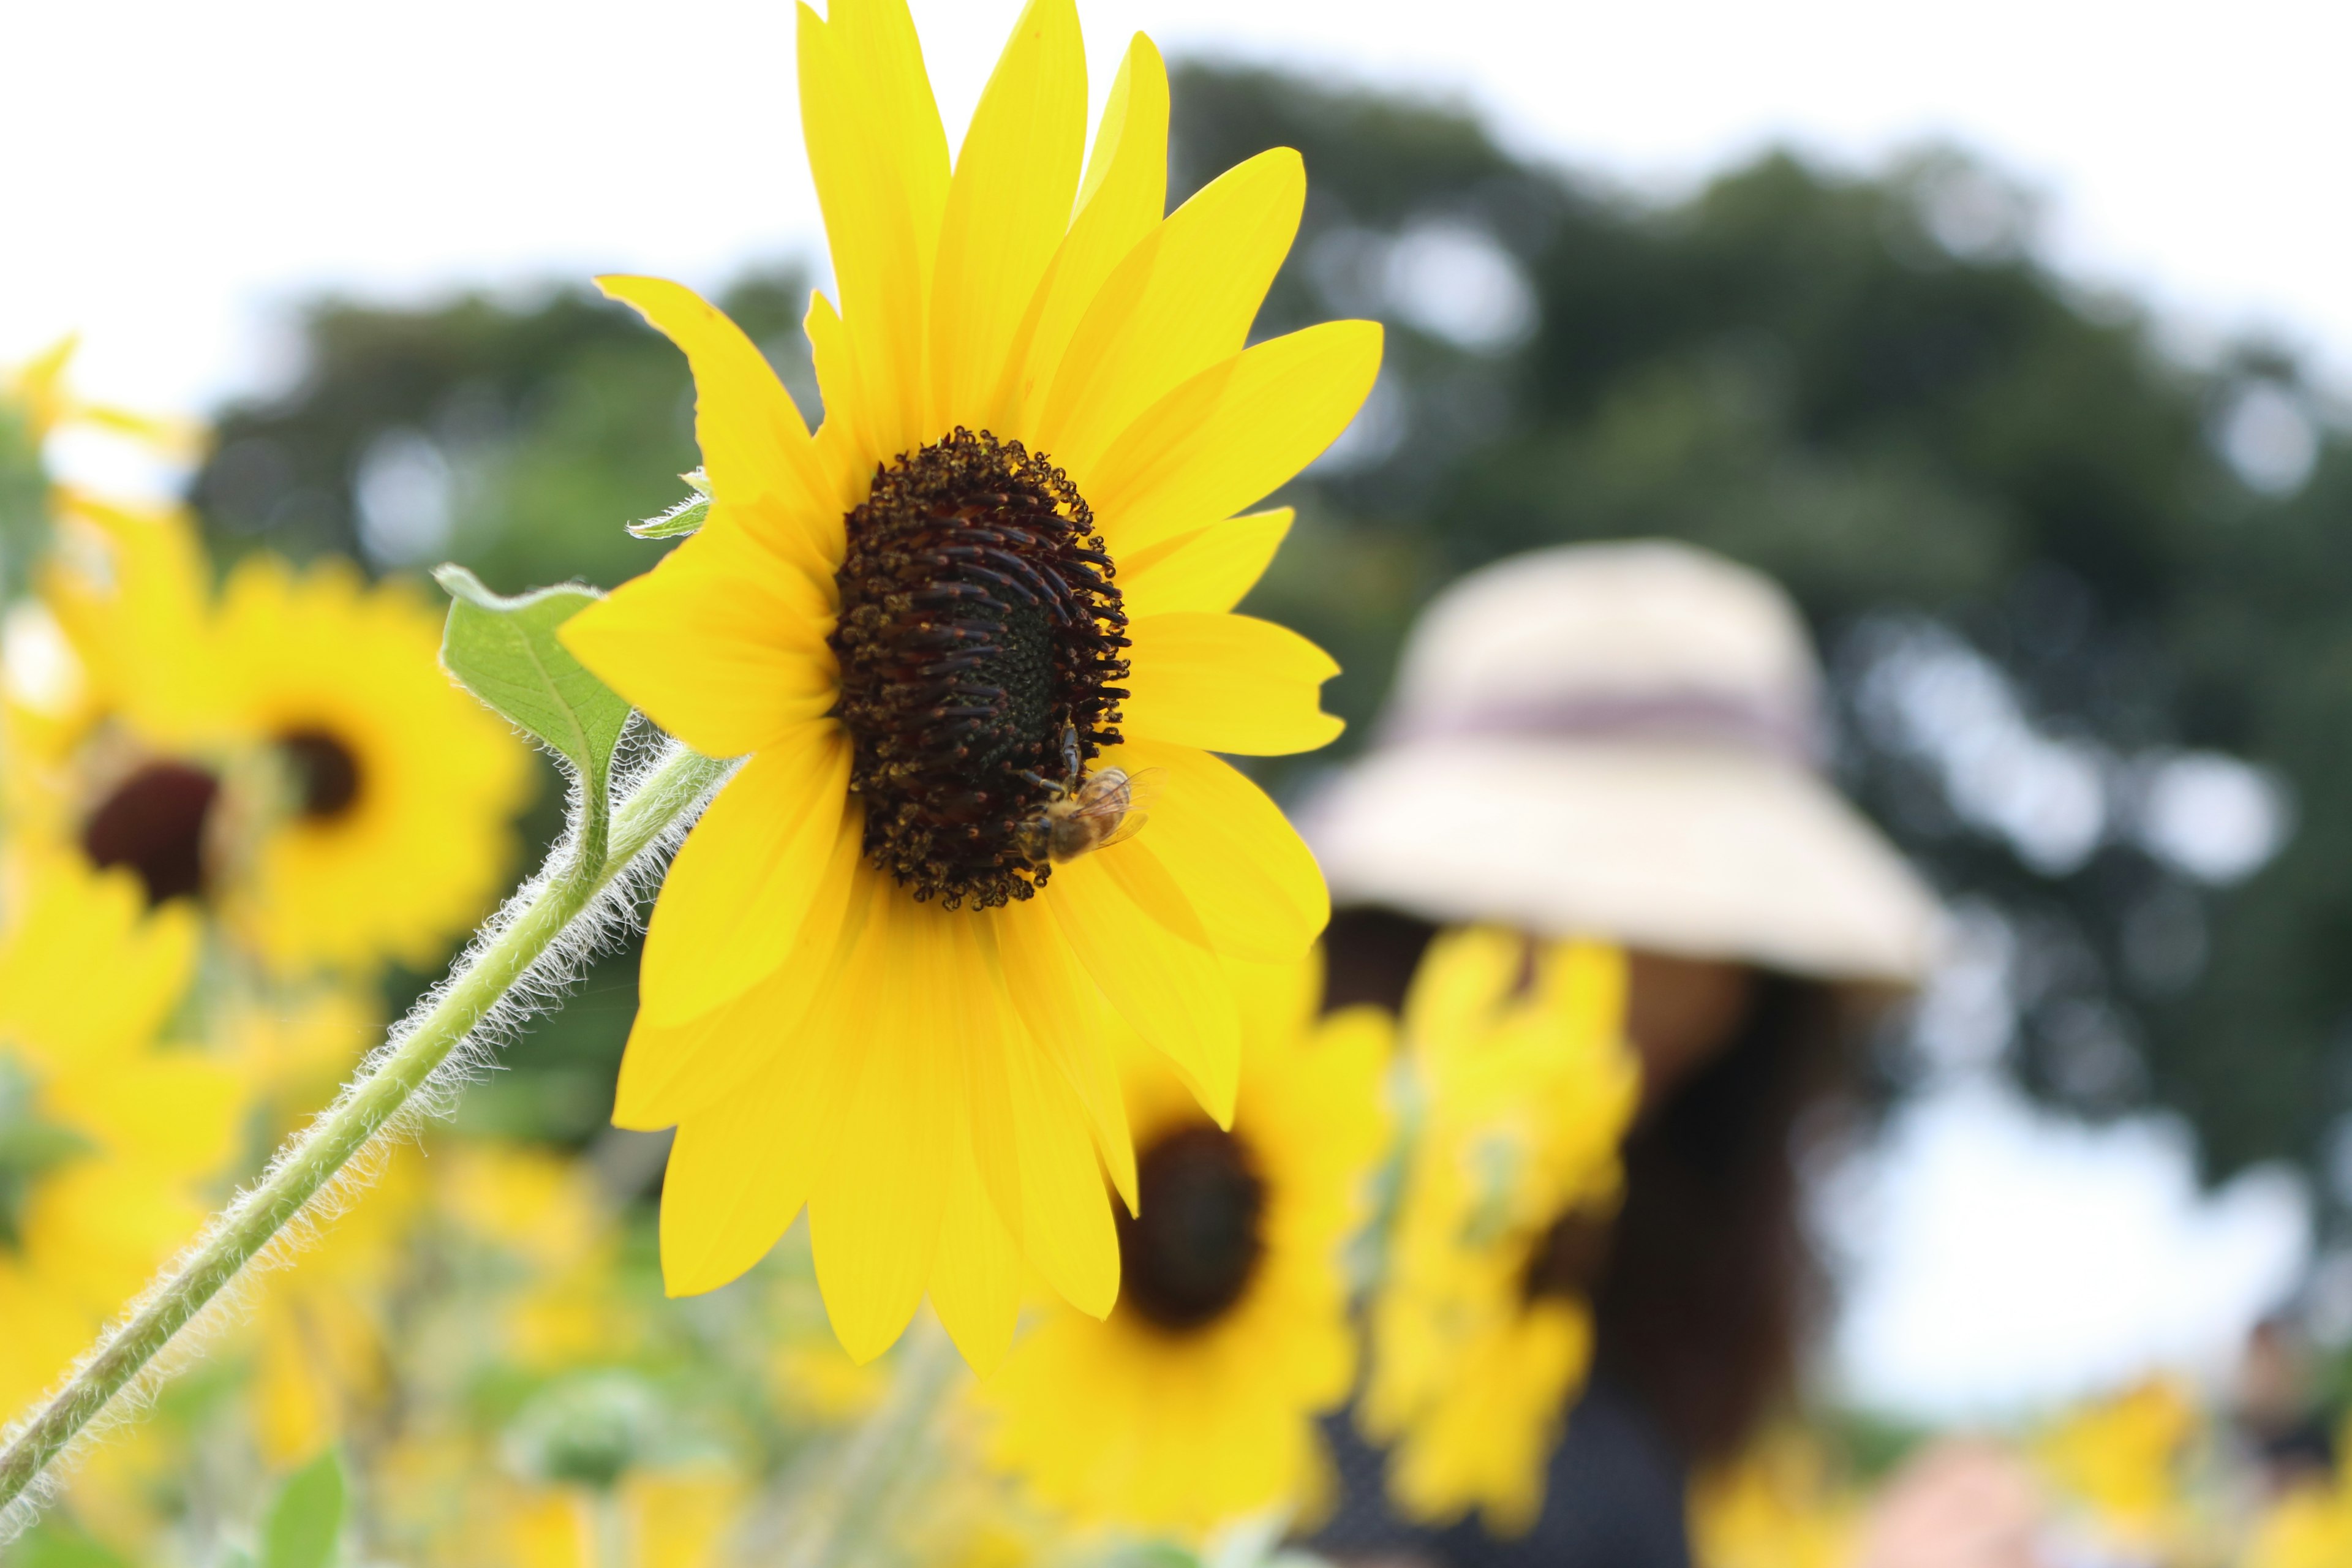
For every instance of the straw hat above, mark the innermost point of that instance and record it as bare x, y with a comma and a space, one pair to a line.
1623, 739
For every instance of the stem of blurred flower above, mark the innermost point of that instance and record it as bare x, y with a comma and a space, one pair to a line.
845, 1506
533, 923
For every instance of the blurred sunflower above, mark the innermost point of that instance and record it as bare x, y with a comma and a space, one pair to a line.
106, 1142
1777, 1506
1195, 1401
877, 977
2124, 1460
291, 752
1482, 1328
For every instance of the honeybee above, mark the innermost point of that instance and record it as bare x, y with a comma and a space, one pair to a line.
1088, 811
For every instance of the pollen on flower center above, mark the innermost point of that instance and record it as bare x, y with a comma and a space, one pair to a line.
1186, 1258
979, 624
154, 821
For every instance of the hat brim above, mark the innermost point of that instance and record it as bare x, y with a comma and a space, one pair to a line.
1698, 850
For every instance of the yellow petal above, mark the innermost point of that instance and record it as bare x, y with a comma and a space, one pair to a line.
1271, 410
738, 1171
1243, 870
880, 162
873, 1217
1006, 210
1066, 1224
1226, 683
1124, 198
1169, 991
721, 645
1181, 302
671, 1070
1209, 569
844, 446
746, 875
1062, 1009
755, 445
976, 1278
174, 1113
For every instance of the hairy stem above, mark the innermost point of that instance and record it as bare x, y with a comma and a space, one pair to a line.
841, 1514
523, 934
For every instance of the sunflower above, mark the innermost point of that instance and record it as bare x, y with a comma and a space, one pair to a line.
1195, 1401
2124, 1460
1482, 1328
1776, 1506
289, 751
105, 1139
950, 633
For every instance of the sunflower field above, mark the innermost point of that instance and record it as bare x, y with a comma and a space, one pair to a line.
985, 1180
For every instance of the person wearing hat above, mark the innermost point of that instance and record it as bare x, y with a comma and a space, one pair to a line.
1626, 741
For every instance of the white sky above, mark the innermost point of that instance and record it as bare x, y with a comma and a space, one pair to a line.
180, 171
177, 173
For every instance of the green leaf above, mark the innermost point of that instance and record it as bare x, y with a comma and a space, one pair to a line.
307, 1517
682, 519
505, 652
52, 1545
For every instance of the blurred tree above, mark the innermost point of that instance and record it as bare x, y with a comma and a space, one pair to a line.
2082, 603
2084, 606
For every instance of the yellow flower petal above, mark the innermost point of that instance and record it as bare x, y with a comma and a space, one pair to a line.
739, 1170
1124, 198
1226, 683
1268, 413
873, 1217
755, 445
173, 1114
976, 1277
1242, 868
1168, 991
1066, 1224
1006, 209
845, 445
1209, 569
1061, 1008
746, 875
1181, 302
671, 1070
727, 656
880, 162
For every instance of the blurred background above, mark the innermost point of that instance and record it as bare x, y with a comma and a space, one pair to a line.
2013, 339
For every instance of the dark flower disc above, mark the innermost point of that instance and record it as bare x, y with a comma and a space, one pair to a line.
1186, 1258
979, 624
154, 821
324, 772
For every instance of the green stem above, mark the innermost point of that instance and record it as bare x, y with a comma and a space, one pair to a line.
310, 1163
855, 1499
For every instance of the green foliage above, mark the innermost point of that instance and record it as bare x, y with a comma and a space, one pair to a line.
305, 1520
24, 502
505, 651
683, 519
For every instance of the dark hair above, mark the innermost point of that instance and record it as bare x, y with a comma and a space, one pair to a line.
1712, 1287
1709, 1287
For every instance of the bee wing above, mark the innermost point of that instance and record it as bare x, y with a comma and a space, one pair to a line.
1129, 827
1144, 788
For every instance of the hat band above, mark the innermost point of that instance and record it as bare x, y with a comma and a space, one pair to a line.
1711, 718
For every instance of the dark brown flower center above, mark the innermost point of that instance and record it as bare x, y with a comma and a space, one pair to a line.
1570, 1258
1187, 1258
153, 822
324, 773
979, 626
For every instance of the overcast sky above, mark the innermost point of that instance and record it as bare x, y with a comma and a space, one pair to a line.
178, 172
177, 175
